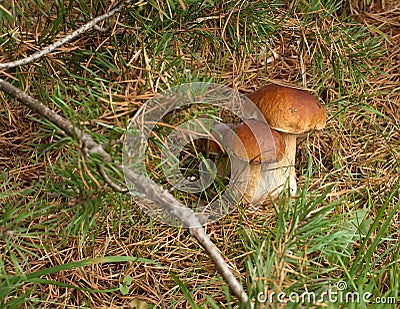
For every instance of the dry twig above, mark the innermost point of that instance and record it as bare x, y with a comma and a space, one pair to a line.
143, 185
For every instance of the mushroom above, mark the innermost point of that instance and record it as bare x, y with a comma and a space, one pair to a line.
253, 148
291, 111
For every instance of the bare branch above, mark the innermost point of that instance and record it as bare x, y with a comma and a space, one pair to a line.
64, 40
143, 185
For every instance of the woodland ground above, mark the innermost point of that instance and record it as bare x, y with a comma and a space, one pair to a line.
343, 226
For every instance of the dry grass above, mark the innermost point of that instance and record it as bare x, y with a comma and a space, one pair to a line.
358, 153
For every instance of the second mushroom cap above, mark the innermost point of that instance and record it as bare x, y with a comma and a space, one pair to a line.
251, 140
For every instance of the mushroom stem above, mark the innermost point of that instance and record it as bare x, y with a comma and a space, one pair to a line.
250, 192
285, 168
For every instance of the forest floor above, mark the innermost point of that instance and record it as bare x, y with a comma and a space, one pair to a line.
343, 225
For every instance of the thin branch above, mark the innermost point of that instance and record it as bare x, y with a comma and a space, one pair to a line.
64, 40
143, 185
108, 180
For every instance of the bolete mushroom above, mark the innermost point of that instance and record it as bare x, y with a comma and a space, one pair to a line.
291, 111
252, 147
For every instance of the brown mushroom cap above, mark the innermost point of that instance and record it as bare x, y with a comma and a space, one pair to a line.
289, 110
252, 141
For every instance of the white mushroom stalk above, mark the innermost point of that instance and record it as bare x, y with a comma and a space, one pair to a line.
285, 174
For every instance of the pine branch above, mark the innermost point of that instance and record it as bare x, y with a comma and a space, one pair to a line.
64, 40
